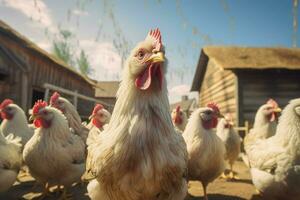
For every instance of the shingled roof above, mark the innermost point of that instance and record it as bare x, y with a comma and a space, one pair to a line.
239, 58
107, 89
185, 105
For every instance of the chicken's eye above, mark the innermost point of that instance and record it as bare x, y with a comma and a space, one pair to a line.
208, 112
100, 115
45, 112
140, 55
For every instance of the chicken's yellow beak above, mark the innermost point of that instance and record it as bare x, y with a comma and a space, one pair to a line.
156, 58
220, 115
33, 117
92, 116
277, 110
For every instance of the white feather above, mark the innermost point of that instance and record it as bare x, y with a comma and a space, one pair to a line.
10, 160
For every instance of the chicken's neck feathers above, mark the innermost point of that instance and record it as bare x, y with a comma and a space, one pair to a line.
135, 108
260, 119
194, 129
73, 117
58, 131
288, 129
131, 101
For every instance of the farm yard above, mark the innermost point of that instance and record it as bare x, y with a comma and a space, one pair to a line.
149, 100
220, 189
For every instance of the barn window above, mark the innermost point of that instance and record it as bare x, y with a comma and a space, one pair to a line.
37, 94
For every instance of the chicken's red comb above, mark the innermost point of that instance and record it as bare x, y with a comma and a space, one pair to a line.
273, 103
97, 108
38, 105
214, 107
5, 103
178, 108
54, 97
155, 36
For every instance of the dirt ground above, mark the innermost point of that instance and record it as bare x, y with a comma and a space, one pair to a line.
220, 189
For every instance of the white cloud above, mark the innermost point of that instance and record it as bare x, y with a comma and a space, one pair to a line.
36, 10
104, 59
79, 12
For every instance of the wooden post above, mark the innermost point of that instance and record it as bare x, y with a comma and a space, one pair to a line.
72, 93
24, 92
75, 98
46, 96
246, 127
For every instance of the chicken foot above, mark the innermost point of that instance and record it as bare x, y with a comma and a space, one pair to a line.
65, 195
231, 174
46, 192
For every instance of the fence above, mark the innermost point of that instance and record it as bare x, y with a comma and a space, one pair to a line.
75, 95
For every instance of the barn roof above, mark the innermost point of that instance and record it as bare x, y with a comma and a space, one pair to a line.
26, 43
185, 105
239, 58
107, 89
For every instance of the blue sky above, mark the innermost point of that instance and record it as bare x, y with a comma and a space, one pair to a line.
186, 26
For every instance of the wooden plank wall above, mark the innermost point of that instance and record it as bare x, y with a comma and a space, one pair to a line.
41, 71
219, 86
257, 86
10, 83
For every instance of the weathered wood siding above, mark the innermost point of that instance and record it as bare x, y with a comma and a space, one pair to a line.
257, 86
10, 81
219, 86
29, 69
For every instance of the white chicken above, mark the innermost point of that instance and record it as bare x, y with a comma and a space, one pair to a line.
10, 160
98, 120
139, 155
205, 149
179, 118
14, 121
68, 109
275, 162
265, 124
99, 117
54, 156
232, 142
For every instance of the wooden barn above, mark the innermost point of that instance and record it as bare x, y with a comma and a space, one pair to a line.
28, 73
187, 105
240, 79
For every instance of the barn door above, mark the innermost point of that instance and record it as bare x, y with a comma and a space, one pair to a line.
37, 94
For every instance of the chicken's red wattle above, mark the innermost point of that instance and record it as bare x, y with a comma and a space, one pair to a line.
272, 117
97, 123
144, 80
209, 124
41, 123
178, 119
37, 123
5, 115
